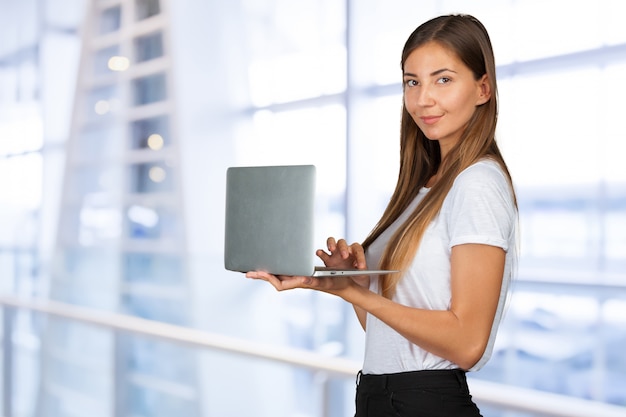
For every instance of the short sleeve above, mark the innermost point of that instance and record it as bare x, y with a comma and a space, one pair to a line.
480, 208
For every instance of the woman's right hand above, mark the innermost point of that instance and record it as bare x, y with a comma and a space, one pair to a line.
342, 255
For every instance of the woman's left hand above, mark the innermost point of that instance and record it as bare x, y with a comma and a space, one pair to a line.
284, 282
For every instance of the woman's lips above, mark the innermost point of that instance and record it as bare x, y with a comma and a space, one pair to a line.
429, 120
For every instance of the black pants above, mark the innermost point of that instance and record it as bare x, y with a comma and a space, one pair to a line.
415, 394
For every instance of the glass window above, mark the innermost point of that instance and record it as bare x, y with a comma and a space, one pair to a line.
21, 129
148, 223
17, 264
149, 89
69, 356
28, 82
72, 371
110, 19
99, 222
64, 14
152, 133
8, 268
148, 401
558, 232
541, 41
151, 178
557, 133
99, 141
281, 79
102, 59
146, 357
93, 179
81, 263
154, 268
102, 102
614, 227
23, 194
8, 84
290, 58
146, 8
149, 47
155, 308
613, 145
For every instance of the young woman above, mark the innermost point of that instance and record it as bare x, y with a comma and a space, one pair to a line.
449, 227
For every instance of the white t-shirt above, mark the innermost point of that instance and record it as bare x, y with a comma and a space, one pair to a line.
479, 208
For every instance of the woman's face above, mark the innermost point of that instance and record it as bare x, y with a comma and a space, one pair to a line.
441, 94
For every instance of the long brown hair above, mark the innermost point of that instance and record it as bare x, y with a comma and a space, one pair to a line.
420, 158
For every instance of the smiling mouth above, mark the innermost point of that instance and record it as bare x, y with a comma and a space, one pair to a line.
429, 120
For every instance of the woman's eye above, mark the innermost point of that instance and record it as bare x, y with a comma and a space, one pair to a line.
443, 80
410, 83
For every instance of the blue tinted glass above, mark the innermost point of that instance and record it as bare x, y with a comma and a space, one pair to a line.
146, 8
167, 310
142, 131
102, 57
156, 403
150, 178
99, 140
146, 356
148, 223
149, 89
102, 102
110, 19
148, 47
155, 268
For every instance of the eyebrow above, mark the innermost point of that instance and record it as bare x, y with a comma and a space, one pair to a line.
432, 74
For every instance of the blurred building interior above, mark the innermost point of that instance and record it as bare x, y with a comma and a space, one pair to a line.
119, 118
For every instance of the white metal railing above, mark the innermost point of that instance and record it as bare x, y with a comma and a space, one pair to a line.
484, 392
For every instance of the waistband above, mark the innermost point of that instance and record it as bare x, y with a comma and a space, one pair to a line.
445, 378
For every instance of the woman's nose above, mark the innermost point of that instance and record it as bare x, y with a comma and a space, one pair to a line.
424, 96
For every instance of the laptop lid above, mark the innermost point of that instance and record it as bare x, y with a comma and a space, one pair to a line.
270, 219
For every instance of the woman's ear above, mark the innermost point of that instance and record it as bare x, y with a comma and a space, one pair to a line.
484, 93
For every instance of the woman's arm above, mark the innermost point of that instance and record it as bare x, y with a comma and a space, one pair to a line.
459, 334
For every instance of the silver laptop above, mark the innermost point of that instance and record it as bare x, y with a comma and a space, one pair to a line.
270, 222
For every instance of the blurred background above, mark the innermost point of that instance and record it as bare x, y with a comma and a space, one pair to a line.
119, 118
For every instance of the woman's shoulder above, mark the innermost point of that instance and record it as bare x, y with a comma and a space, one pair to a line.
483, 172
485, 167
481, 187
